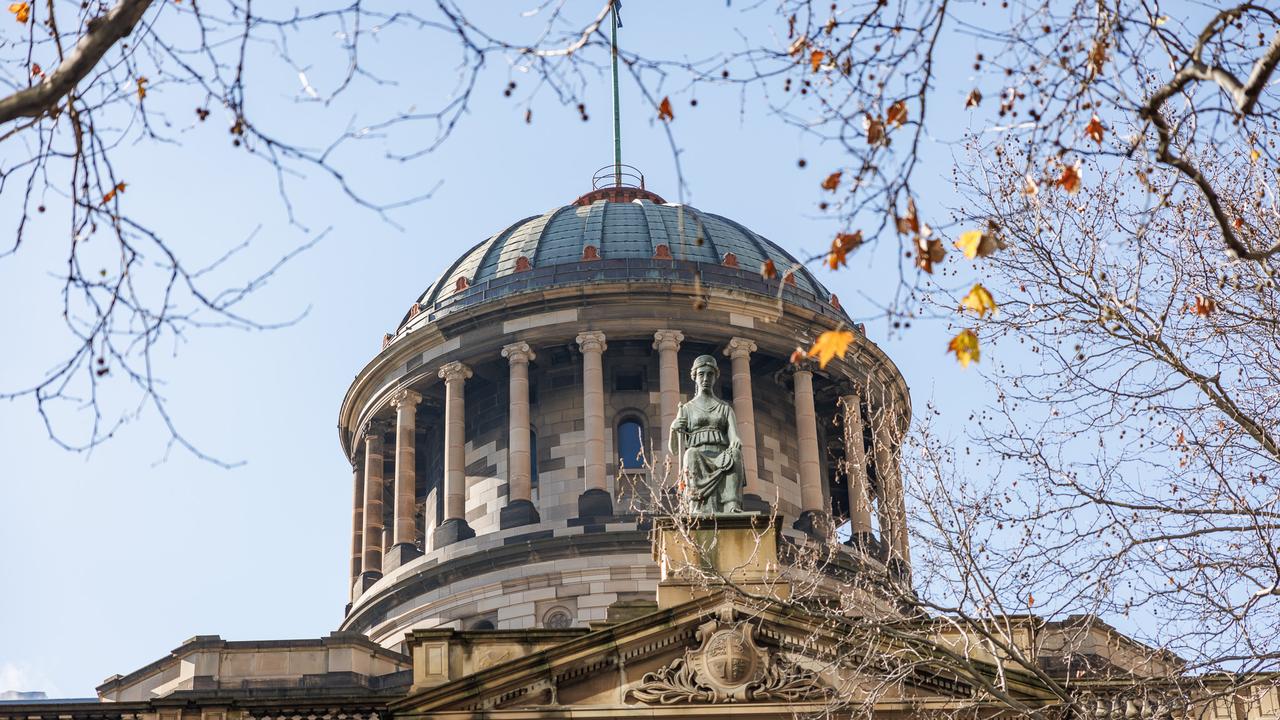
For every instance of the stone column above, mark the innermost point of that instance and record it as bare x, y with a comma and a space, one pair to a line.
371, 565
405, 532
454, 527
739, 351
595, 500
855, 457
667, 343
357, 521
812, 506
893, 509
519, 509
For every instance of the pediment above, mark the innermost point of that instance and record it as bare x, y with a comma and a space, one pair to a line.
706, 654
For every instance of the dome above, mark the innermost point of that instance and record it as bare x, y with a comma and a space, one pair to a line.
630, 236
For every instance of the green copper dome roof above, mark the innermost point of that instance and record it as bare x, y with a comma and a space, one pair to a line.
609, 241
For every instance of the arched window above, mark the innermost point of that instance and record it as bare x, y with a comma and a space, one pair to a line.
631, 444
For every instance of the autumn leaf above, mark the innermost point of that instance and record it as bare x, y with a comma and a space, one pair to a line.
833, 181
664, 110
928, 252
798, 45
142, 87
1254, 155
815, 59
844, 244
1094, 130
874, 128
1205, 306
21, 11
1030, 187
36, 70
897, 114
909, 224
974, 98
111, 194
978, 243
1069, 180
798, 356
768, 270
1098, 55
830, 344
965, 346
979, 300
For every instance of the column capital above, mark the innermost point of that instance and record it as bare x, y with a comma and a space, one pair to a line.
406, 398
518, 352
667, 340
454, 372
739, 347
374, 429
591, 341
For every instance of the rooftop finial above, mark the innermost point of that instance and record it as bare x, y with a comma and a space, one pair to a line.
617, 113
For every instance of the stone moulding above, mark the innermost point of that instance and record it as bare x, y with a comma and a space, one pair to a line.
729, 667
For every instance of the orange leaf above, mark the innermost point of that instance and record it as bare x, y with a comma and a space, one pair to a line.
874, 128
21, 11
815, 59
928, 252
844, 244
1070, 179
664, 110
897, 114
910, 223
965, 346
830, 344
1205, 306
1094, 130
833, 181
111, 194
798, 356
142, 87
36, 70
768, 270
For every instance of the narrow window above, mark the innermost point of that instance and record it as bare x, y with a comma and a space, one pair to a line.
631, 444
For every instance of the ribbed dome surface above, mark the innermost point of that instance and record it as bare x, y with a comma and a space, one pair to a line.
618, 242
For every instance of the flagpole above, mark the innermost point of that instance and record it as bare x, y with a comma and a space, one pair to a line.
617, 117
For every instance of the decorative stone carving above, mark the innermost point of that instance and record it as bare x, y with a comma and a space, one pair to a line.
706, 429
728, 667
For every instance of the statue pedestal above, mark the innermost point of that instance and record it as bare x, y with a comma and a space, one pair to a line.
703, 554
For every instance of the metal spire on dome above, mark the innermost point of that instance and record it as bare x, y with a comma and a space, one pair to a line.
617, 112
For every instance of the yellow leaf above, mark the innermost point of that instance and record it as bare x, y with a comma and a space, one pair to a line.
815, 59
664, 110
965, 346
897, 114
979, 300
21, 11
1254, 155
833, 181
830, 344
978, 243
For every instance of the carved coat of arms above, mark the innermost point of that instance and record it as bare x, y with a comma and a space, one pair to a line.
728, 666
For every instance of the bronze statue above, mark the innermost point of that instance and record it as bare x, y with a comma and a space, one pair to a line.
707, 429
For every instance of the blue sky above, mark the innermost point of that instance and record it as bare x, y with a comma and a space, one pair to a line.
112, 559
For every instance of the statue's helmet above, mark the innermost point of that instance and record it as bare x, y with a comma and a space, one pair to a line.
704, 361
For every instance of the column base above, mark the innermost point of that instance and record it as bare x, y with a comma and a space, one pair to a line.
595, 503
754, 503
399, 554
814, 523
451, 531
517, 513
865, 542
366, 580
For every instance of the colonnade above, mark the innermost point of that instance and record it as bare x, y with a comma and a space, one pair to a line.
368, 543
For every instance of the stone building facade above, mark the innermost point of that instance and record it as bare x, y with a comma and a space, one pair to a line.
506, 560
